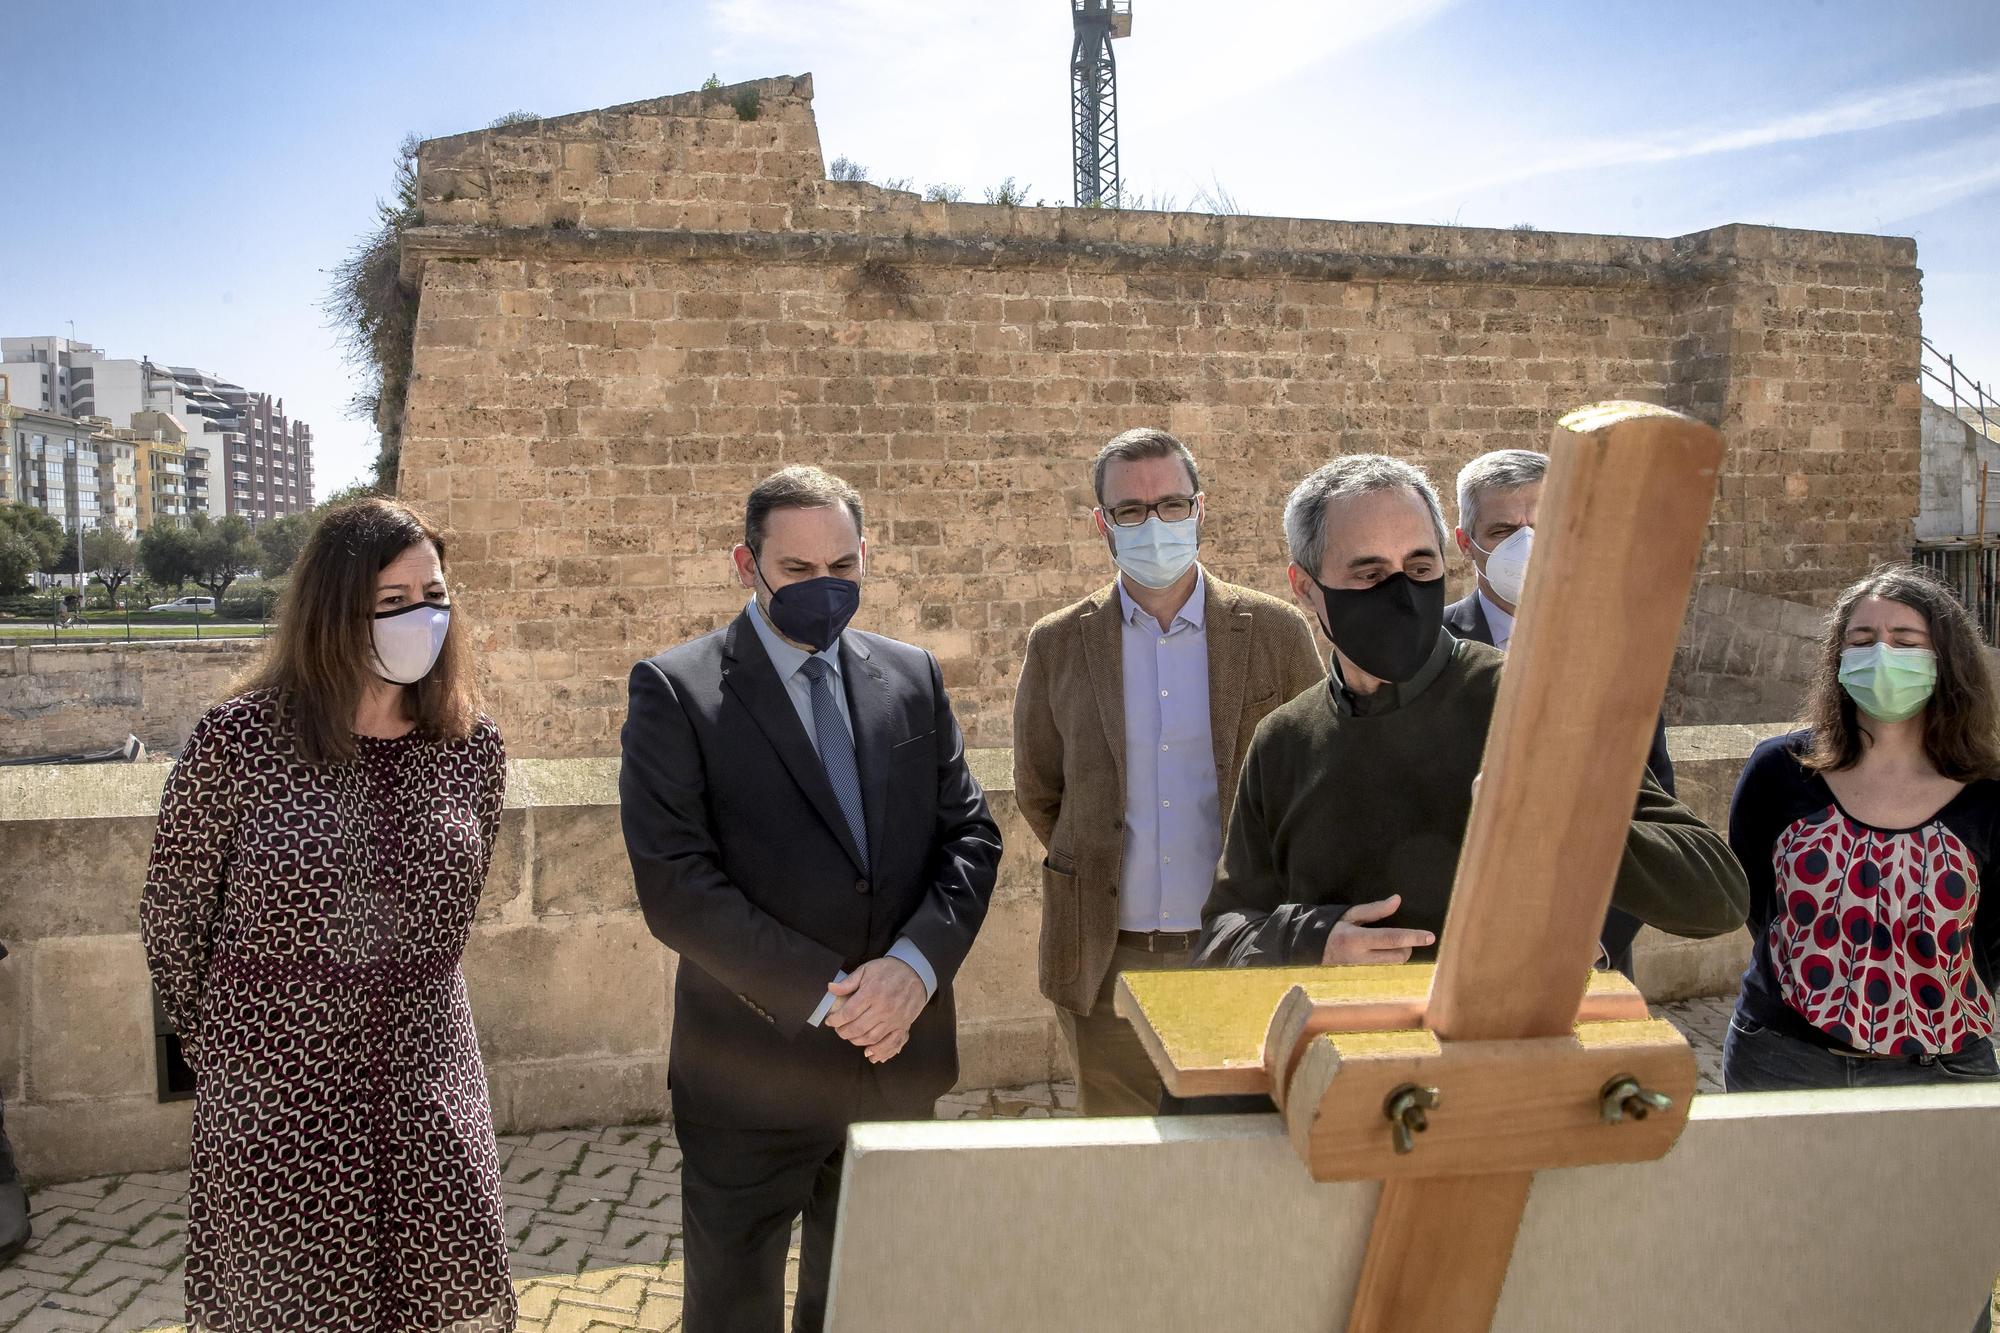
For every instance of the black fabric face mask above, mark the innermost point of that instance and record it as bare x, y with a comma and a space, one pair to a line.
1387, 629
814, 611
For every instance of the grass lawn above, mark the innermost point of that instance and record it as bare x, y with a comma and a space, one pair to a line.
31, 632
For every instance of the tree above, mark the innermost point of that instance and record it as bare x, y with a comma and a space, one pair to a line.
112, 559
224, 551
375, 313
352, 491
280, 540
42, 531
166, 552
18, 560
512, 118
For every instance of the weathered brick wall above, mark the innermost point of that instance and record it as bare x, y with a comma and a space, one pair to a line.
629, 316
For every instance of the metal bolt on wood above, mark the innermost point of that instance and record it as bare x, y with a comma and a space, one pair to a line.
1623, 1096
1405, 1109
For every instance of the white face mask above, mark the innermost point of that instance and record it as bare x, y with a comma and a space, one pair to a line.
1507, 565
1156, 553
408, 641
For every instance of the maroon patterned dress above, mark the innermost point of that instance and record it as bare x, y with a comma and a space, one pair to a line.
304, 926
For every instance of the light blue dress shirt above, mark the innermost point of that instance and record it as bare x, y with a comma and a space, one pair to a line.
1498, 623
1173, 813
786, 661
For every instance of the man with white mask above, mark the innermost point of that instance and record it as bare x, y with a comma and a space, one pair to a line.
1135, 708
1498, 496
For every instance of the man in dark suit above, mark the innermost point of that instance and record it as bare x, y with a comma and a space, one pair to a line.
1498, 496
804, 832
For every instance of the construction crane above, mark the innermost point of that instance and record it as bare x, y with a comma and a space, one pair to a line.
1093, 96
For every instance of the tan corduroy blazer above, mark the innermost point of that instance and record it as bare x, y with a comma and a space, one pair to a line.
1069, 753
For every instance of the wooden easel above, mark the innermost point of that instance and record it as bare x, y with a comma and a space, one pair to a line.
1429, 1098
1454, 1087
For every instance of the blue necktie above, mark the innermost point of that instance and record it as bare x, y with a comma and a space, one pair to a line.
836, 752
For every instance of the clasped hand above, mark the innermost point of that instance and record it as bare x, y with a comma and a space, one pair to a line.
875, 1005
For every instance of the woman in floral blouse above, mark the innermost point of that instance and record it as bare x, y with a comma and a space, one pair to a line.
1868, 838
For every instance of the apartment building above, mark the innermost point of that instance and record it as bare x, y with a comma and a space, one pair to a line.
242, 454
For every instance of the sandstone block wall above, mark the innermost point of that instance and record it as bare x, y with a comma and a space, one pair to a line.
628, 316
78, 697
572, 997
1742, 658
571, 994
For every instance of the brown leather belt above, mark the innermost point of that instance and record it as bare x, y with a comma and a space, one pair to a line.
1159, 941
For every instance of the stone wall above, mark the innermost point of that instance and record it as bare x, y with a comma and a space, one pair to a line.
570, 994
1742, 658
83, 697
628, 316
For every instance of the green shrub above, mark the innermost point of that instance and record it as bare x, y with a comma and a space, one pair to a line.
253, 599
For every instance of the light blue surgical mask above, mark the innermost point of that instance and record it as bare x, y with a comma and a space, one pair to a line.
1889, 684
1155, 553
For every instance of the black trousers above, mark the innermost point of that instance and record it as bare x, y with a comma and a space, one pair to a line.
741, 1190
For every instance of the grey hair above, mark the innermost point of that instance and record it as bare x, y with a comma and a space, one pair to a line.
1353, 474
1501, 470
1139, 443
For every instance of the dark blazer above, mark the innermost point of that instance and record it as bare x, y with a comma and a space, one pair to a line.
1466, 619
745, 867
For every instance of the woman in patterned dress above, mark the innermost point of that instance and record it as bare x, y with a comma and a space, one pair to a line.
1868, 838
321, 847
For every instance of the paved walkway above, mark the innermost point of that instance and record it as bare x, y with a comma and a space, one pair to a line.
594, 1213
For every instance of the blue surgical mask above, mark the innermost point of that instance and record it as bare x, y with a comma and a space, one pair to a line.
1889, 684
1155, 554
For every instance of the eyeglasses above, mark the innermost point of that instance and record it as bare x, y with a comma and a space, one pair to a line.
1134, 512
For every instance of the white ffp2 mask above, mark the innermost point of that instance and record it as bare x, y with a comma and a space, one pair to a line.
1507, 565
408, 641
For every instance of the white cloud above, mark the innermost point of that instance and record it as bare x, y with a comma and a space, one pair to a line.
1876, 109
1898, 189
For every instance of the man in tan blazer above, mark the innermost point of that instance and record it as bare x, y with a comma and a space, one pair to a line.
1134, 710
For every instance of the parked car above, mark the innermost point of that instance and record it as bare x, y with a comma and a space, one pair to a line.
186, 604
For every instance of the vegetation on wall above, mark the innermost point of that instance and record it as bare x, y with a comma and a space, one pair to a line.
375, 314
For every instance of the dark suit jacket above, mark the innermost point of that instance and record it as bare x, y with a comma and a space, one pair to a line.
1466, 619
745, 867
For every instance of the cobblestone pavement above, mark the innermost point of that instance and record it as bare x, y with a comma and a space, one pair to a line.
594, 1215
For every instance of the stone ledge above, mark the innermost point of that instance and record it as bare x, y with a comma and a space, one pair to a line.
60, 793
585, 244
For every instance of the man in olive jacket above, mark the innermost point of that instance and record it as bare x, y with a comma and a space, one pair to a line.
1134, 710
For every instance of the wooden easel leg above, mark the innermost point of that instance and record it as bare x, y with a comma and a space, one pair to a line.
1438, 1254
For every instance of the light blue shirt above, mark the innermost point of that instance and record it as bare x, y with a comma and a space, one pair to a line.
1173, 812
1498, 623
787, 660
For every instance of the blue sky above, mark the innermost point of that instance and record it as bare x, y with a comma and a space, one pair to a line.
181, 175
